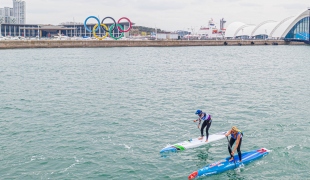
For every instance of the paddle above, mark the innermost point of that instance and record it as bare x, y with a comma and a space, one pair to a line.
198, 124
231, 150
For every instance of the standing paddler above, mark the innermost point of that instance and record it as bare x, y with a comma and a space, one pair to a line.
206, 118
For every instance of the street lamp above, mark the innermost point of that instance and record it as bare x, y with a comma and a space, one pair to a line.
38, 32
155, 33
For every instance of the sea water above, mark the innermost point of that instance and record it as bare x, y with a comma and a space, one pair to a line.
105, 113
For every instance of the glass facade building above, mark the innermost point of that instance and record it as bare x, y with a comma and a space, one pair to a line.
300, 30
293, 28
71, 30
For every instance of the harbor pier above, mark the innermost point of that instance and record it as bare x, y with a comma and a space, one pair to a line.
11, 44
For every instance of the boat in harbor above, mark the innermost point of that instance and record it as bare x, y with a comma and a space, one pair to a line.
211, 31
60, 37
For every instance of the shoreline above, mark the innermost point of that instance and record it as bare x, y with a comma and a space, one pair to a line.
14, 44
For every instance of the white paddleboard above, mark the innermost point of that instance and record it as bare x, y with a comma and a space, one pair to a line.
192, 143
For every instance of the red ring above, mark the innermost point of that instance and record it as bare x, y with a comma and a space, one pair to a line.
130, 25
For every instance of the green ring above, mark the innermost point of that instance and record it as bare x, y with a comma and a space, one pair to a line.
112, 27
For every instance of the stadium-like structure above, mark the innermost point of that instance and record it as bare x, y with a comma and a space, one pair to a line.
294, 28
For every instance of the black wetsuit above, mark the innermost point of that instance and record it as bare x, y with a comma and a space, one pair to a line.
232, 141
206, 123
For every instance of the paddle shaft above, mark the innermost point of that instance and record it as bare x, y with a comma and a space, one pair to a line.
231, 150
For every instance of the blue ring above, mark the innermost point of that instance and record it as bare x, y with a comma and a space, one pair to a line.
89, 30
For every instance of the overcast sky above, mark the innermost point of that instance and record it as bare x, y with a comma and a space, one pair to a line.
164, 14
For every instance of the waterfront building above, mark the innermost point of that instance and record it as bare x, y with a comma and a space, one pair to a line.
182, 33
293, 28
13, 23
49, 31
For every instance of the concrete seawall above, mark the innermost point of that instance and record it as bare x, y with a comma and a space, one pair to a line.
111, 43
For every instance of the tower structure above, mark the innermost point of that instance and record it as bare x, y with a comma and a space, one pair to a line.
222, 23
15, 15
19, 11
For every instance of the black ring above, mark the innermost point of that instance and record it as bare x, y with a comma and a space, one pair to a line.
112, 20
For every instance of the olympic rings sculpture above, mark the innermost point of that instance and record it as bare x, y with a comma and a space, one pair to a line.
108, 31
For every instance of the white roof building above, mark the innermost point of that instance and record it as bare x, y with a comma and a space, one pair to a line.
294, 27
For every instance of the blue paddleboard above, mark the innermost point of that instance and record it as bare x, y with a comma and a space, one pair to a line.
225, 164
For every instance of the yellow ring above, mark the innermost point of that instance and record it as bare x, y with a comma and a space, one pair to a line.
106, 32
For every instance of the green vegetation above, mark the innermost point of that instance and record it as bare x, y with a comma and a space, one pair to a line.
141, 30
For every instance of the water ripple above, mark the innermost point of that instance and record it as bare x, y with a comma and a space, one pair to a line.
106, 113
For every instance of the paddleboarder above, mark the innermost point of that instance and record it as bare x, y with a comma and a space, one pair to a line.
206, 118
236, 136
